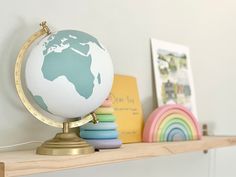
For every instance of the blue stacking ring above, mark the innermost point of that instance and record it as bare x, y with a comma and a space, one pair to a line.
99, 134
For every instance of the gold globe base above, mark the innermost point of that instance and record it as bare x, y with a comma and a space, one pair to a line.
65, 144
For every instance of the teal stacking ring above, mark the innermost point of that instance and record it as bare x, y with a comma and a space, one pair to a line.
99, 126
98, 134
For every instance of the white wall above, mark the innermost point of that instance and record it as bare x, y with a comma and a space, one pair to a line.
208, 27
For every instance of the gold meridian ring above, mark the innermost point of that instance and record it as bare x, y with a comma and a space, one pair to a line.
21, 93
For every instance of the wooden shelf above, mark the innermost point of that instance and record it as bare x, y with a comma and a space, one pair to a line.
19, 163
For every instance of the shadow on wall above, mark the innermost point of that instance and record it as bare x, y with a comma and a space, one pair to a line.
155, 104
147, 110
16, 120
8, 53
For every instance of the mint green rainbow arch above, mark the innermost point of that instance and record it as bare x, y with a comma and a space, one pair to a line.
179, 124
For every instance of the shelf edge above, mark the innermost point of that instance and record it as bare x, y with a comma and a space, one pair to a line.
20, 163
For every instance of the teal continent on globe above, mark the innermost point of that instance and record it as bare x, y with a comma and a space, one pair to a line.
66, 53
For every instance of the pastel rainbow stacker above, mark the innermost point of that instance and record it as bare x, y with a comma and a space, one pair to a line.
171, 123
104, 134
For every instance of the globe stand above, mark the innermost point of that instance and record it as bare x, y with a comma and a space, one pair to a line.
66, 143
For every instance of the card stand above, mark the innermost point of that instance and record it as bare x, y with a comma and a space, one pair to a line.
205, 133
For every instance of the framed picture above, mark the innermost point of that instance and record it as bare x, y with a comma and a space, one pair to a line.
173, 74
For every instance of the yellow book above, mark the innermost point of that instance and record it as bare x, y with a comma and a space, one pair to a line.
127, 108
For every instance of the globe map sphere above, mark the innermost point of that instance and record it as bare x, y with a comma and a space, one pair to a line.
69, 73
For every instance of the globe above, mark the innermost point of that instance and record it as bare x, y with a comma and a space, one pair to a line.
69, 73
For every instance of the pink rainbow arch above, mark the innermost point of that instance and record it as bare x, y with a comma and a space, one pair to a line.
171, 123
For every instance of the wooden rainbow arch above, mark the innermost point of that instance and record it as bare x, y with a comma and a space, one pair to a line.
171, 123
